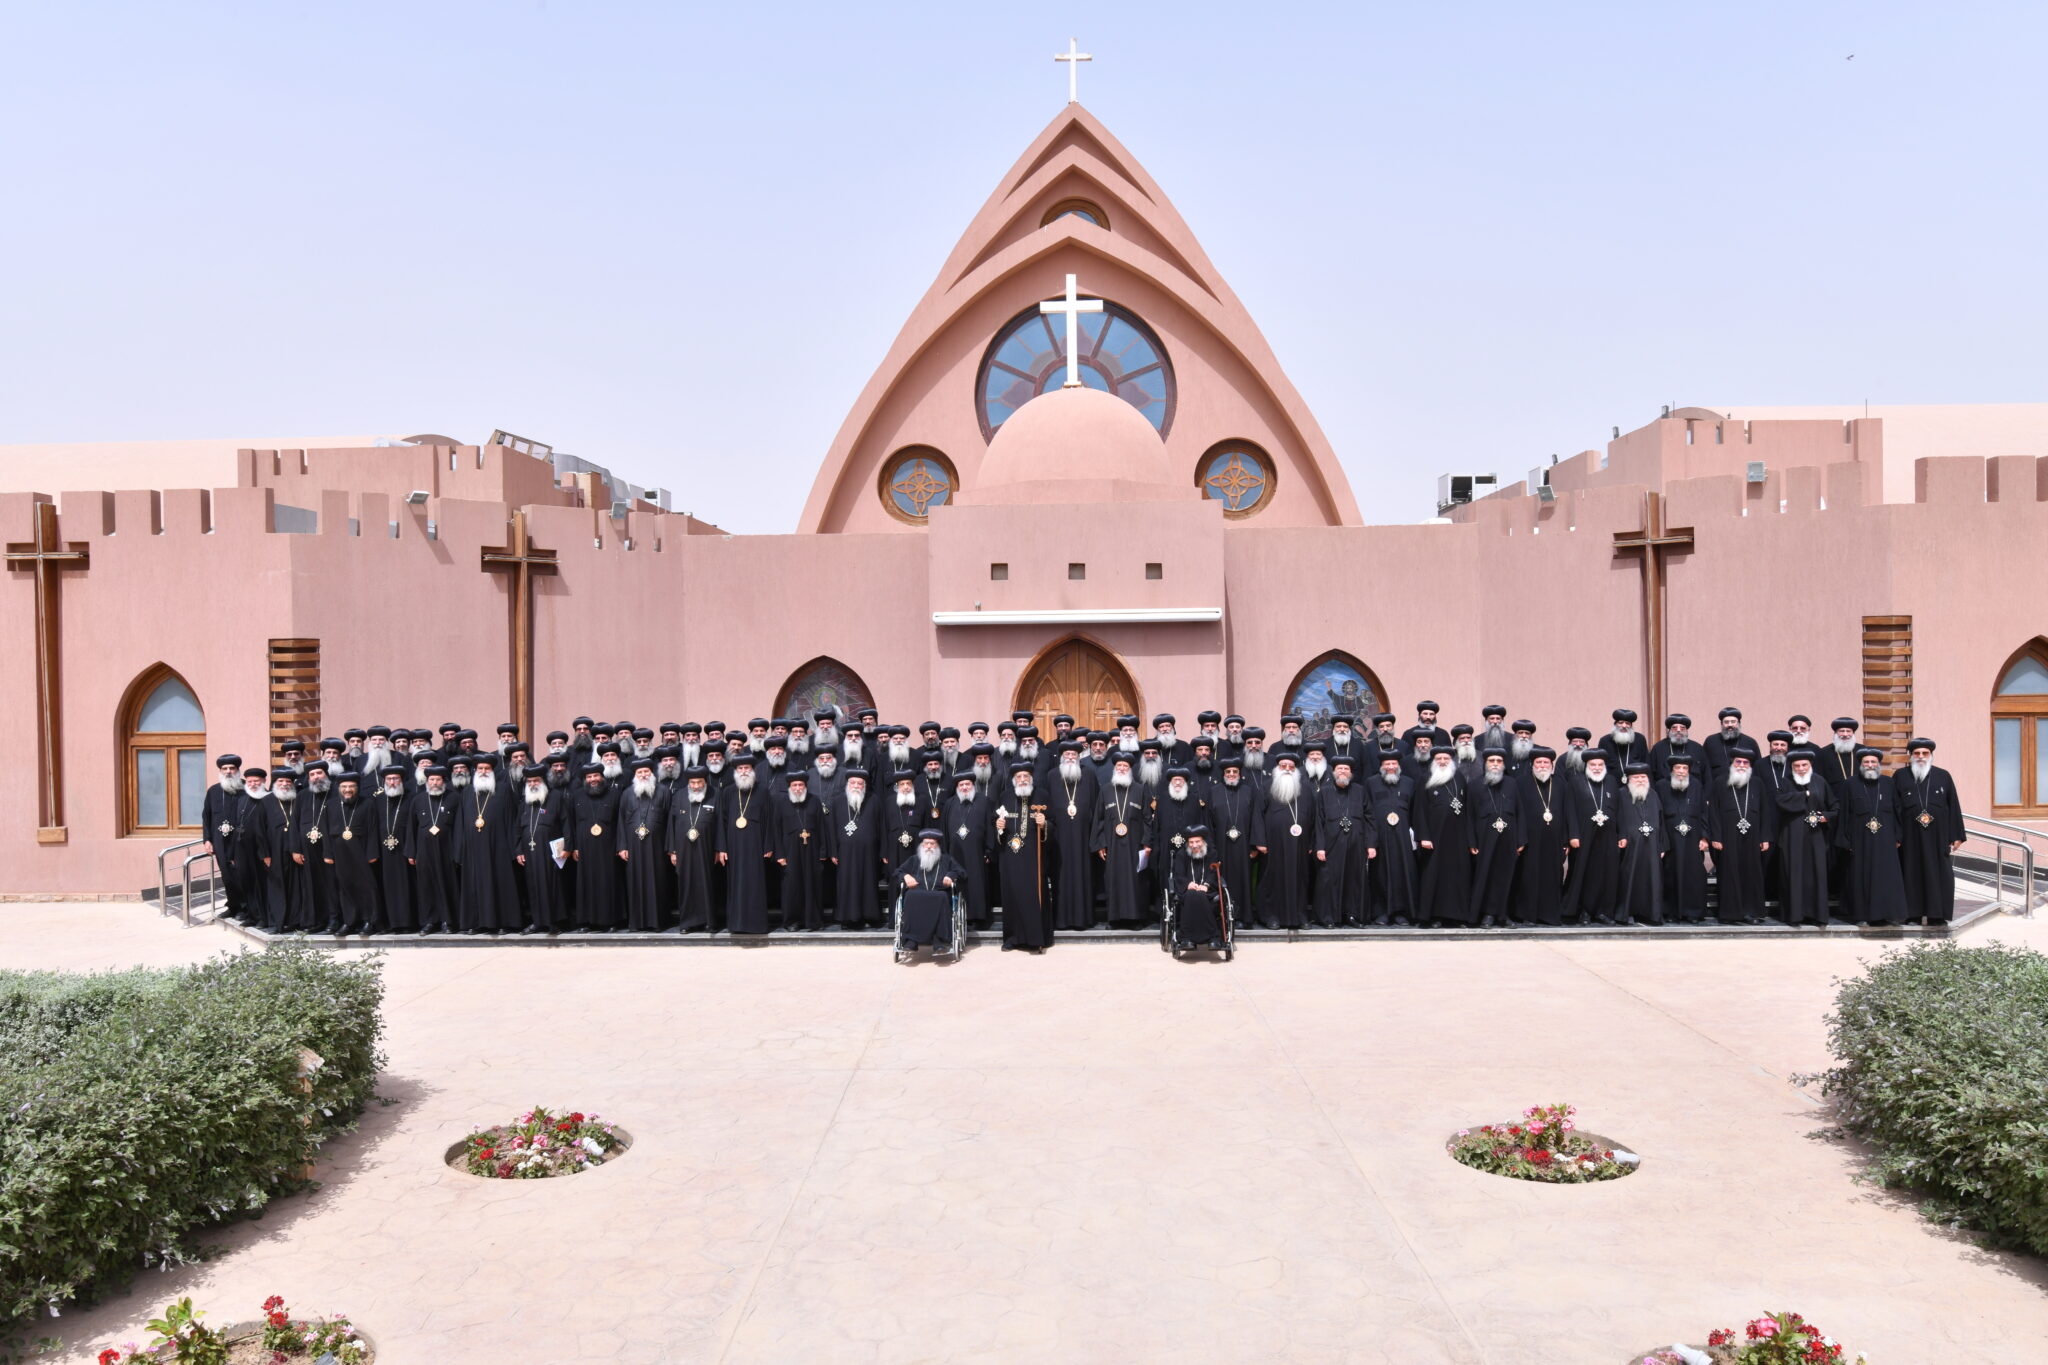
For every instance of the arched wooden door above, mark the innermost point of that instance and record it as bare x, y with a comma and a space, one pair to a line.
1078, 678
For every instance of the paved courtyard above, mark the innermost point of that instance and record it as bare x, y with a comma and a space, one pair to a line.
1098, 1155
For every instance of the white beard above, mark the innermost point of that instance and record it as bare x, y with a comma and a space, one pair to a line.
232, 784
854, 800
1023, 790
1255, 760
613, 768
1679, 784
1869, 774
286, 795
1149, 770
905, 800
757, 743
799, 743
928, 859
376, 760
643, 787
797, 798
1391, 779
899, 754
536, 795
825, 735
1342, 779
692, 755
1467, 751
1623, 738
318, 788
1638, 794
1286, 786
983, 772
1920, 770
1028, 750
1316, 767
852, 747
696, 797
1177, 791
1738, 778
778, 758
460, 777
744, 779
643, 750
1007, 748
1594, 778
1070, 769
437, 793
1521, 748
515, 771
1573, 758
1440, 774
964, 798
1120, 779
1231, 782
714, 768
1802, 779
484, 783
1845, 746
1341, 739
1127, 744
1493, 778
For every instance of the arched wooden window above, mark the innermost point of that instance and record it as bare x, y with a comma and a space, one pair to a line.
163, 756
823, 683
1335, 684
2019, 733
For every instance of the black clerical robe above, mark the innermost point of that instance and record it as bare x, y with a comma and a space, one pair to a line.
1592, 888
643, 835
1496, 825
1345, 844
1874, 885
1664, 750
1686, 847
1806, 833
218, 818
1196, 888
540, 825
968, 841
1018, 828
900, 827
1238, 832
594, 843
1741, 822
1538, 895
1121, 831
349, 847
743, 842
435, 846
1071, 803
1286, 887
855, 840
1443, 835
295, 867
1171, 821
1620, 755
924, 897
487, 895
796, 834
392, 817
1641, 897
692, 840
1931, 825
1719, 747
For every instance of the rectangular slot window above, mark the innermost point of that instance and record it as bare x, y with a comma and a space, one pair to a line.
1155, 571
1077, 571
998, 573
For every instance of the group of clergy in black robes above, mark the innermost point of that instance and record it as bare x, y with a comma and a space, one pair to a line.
800, 824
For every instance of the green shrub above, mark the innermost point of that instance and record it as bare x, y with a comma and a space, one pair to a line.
1944, 1069
138, 1108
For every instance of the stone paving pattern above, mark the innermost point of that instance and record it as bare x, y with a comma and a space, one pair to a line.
1097, 1156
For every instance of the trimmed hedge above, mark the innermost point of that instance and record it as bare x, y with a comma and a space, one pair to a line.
1944, 1069
140, 1107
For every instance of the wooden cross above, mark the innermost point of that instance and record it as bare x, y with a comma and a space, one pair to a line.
1655, 541
46, 557
519, 557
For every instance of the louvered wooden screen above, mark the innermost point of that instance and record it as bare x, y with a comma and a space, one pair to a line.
1888, 685
294, 693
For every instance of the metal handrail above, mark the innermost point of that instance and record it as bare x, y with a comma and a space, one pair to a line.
2026, 866
185, 903
2030, 835
163, 879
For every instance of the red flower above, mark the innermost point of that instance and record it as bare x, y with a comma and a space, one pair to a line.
1721, 1336
486, 1154
280, 1320
1514, 1130
505, 1171
575, 1118
109, 1356
1537, 1155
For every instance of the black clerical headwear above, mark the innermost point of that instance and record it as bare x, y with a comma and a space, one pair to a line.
1340, 761
461, 761
1776, 735
590, 769
1680, 761
380, 732
356, 733
1254, 732
1209, 718
1196, 832
743, 759
648, 763
1124, 720
1460, 731
1292, 718
1579, 732
1729, 713
484, 761
439, 770
1164, 718
1488, 712
1542, 751
1913, 744
1843, 723
1422, 706
558, 736
228, 760
1524, 727
1632, 769
1622, 713
1678, 718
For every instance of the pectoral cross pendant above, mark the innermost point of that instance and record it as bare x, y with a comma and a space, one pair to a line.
1742, 826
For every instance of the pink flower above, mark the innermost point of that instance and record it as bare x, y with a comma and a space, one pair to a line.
1762, 1328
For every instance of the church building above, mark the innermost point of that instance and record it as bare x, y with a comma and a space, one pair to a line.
1080, 482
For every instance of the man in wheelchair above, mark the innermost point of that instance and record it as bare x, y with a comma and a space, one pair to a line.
1195, 884
927, 880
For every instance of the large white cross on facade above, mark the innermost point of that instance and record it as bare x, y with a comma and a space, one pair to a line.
1073, 306
1073, 57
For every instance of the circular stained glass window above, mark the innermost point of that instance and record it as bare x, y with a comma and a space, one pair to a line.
1237, 474
1118, 353
915, 480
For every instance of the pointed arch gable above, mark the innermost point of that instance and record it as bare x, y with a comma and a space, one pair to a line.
1069, 177
1319, 692
160, 748
820, 683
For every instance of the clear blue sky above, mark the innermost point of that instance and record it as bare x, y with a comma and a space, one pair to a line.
678, 239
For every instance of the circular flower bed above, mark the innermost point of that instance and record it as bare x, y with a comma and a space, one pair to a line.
1773, 1339
1545, 1145
277, 1338
539, 1144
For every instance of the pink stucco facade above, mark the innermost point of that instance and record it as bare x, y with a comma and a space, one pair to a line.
657, 617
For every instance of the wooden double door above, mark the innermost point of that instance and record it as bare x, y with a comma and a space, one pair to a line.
1080, 679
